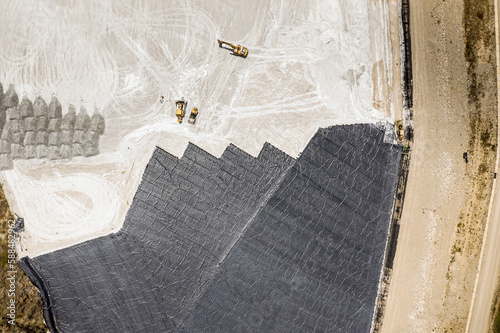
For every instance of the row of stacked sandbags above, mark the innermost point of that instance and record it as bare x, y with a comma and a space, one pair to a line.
37, 130
7, 101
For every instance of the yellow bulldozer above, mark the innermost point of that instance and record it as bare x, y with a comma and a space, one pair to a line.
192, 116
181, 109
237, 49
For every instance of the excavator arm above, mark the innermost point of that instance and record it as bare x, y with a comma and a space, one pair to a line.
237, 49
229, 44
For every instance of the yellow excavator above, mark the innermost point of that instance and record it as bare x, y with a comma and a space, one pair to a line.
237, 49
181, 108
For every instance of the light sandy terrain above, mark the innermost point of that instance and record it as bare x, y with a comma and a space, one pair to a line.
489, 266
311, 64
397, 95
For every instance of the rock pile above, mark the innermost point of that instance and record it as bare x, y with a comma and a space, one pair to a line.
37, 130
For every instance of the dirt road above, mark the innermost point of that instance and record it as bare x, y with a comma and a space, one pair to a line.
435, 179
446, 200
489, 273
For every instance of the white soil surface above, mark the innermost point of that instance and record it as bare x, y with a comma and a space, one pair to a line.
311, 64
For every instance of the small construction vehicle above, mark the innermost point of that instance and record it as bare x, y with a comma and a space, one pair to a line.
192, 116
237, 49
18, 225
400, 132
181, 109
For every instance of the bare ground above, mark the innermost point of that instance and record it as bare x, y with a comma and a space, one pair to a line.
479, 27
28, 304
444, 215
495, 313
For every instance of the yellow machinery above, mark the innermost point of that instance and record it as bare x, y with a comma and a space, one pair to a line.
237, 49
181, 108
192, 116
400, 132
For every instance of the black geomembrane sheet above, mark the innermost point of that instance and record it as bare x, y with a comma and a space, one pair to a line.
236, 244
